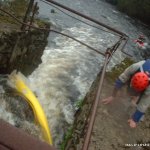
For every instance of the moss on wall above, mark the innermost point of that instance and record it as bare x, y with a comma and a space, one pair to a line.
118, 69
22, 50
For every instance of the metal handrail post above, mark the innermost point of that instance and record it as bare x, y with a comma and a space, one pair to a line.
95, 106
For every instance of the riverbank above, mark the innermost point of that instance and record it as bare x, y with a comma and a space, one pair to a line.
139, 10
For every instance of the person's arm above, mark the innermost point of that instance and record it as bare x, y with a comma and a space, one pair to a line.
118, 84
117, 87
128, 72
122, 79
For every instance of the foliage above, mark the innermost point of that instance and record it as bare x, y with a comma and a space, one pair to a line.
114, 2
79, 103
18, 9
15, 7
136, 8
69, 133
67, 136
42, 23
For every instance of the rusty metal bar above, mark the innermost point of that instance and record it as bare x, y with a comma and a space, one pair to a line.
44, 29
114, 47
86, 17
27, 14
33, 13
79, 42
25, 24
12, 138
93, 115
126, 40
78, 19
109, 53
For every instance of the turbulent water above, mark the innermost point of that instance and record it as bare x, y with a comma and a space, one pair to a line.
69, 68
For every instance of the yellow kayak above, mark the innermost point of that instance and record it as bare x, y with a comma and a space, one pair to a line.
17, 81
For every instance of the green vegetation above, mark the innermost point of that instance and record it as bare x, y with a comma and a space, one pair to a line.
114, 2
18, 9
136, 8
69, 133
15, 7
118, 69
42, 23
79, 103
67, 136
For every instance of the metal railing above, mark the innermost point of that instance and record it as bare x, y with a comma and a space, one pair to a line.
108, 54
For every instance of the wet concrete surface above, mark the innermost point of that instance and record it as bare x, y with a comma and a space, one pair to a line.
111, 130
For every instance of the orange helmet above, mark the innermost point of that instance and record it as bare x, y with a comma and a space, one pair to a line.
140, 81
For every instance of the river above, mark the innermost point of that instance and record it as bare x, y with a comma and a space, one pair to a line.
69, 68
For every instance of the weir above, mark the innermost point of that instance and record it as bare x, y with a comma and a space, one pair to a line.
107, 55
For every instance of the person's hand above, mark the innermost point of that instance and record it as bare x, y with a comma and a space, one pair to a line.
132, 123
107, 100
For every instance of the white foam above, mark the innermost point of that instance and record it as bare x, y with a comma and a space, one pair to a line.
66, 73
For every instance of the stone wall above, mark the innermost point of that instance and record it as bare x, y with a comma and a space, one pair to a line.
21, 50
